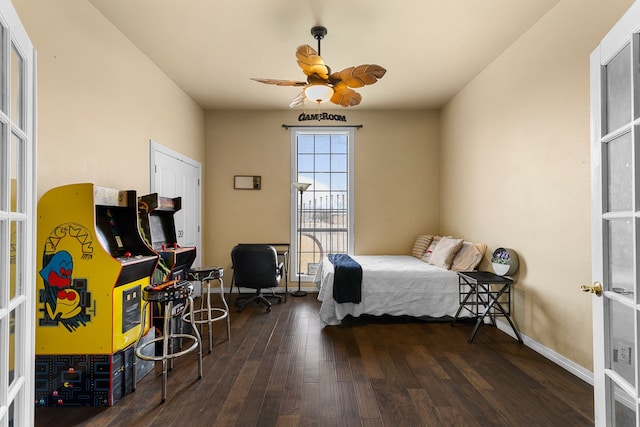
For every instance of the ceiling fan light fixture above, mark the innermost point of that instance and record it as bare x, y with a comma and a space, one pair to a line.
318, 93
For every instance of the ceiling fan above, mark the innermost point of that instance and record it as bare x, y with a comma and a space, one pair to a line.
322, 85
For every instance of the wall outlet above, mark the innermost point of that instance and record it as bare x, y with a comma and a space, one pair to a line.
622, 353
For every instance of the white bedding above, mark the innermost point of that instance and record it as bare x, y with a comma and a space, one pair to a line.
394, 285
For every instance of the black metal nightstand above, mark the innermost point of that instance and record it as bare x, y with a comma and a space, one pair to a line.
486, 290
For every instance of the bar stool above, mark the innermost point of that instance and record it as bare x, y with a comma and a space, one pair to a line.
166, 294
209, 314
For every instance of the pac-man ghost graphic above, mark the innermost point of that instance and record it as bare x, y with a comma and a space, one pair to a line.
62, 302
57, 272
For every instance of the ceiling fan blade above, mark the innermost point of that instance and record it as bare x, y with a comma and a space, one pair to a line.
312, 63
298, 100
344, 96
361, 75
280, 82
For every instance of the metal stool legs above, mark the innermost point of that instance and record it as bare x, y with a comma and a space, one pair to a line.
167, 338
208, 314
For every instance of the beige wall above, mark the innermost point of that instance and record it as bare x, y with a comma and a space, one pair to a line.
100, 101
396, 179
515, 155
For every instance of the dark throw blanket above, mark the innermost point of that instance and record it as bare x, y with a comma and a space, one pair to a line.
347, 279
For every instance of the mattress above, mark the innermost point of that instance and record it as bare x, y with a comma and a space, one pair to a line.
397, 285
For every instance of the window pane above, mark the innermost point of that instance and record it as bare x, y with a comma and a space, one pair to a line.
323, 181
323, 143
305, 163
618, 90
339, 181
339, 144
338, 162
305, 143
619, 174
323, 163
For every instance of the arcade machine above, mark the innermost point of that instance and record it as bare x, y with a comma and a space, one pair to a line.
158, 228
92, 270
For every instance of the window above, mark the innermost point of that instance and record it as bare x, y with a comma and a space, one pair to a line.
322, 157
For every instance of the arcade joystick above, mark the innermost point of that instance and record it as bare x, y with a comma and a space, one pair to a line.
127, 254
175, 245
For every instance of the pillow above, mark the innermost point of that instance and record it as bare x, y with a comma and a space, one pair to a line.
469, 256
427, 254
445, 251
421, 245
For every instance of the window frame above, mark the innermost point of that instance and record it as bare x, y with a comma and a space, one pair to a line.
295, 195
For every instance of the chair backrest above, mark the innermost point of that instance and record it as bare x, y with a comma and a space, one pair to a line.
255, 266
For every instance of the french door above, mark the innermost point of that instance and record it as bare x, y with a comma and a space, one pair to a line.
615, 148
17, 220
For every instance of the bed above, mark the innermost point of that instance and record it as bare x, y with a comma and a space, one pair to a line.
396, 285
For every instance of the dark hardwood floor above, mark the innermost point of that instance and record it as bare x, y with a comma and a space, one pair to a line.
284, 369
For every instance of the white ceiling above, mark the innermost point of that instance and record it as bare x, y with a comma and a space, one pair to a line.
430, 48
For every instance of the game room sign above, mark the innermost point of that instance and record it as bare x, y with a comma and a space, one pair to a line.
303, 117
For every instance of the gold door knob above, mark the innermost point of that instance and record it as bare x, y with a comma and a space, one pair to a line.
596, 288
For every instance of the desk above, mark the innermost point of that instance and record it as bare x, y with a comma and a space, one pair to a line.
282, 249
489, 291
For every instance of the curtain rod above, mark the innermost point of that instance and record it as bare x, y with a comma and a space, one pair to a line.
315, 126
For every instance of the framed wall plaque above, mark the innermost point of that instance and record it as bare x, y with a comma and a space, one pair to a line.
247, 182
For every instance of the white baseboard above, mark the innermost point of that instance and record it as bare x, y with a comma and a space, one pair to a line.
556, 358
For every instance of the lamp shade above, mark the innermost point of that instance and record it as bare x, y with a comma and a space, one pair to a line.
301, 186
318, 93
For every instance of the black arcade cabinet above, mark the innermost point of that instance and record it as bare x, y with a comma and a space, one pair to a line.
158, 227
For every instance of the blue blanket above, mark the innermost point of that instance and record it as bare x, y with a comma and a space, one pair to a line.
347, 279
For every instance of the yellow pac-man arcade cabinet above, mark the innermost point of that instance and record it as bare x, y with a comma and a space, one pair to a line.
92, 267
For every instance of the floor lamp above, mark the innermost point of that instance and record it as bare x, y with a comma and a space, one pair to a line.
301, 187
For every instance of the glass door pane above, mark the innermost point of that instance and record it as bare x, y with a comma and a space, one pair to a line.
620, 173
624, 409
17, 88
620, 257
622, 341
618, 91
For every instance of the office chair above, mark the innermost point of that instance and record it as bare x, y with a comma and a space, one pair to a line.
256, 267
